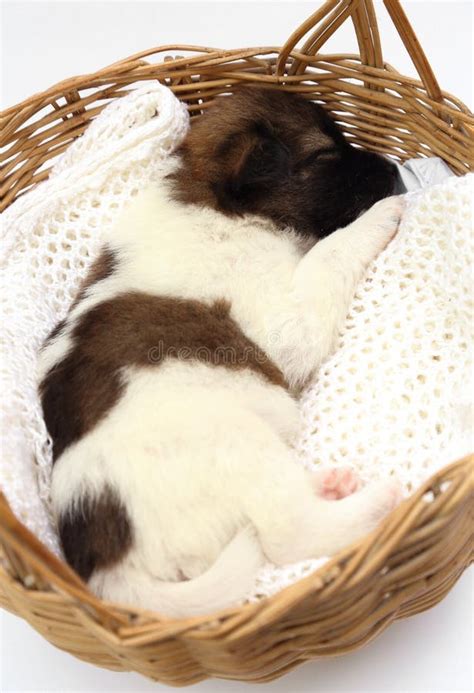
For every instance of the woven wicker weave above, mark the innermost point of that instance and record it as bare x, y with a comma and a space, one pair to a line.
414, 558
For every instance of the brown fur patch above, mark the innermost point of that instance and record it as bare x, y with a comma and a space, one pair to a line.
96, 534
55, 332
102, 268
137, 329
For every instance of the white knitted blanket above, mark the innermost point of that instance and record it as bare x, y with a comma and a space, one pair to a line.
396, 396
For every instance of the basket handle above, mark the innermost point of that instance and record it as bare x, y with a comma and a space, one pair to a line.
325, 21
414, 49
362, 12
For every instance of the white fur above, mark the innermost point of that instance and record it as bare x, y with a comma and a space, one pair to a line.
199, 454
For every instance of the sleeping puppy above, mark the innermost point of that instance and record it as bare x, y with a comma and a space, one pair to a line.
169, 390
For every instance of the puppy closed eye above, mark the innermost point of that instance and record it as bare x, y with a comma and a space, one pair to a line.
318, 154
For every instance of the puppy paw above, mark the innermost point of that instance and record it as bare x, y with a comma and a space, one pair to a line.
386, 214
380, 223
335, 483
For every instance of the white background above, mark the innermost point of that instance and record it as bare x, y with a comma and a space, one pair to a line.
44, 42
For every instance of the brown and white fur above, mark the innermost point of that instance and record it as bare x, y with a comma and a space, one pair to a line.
169, 390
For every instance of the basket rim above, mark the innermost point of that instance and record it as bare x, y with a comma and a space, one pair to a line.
339, 571
135, 61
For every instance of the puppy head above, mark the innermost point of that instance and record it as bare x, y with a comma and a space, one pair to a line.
276, 154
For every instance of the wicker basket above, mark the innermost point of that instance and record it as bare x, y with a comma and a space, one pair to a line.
414, 558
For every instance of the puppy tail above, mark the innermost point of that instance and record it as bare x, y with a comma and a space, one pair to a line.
225, 584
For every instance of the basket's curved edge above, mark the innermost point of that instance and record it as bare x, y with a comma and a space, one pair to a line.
205, 58
133, 62
408, 564
28, 144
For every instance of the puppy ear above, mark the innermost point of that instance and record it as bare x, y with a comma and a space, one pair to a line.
254, 162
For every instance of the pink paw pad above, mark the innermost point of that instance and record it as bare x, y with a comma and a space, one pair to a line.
336, 483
